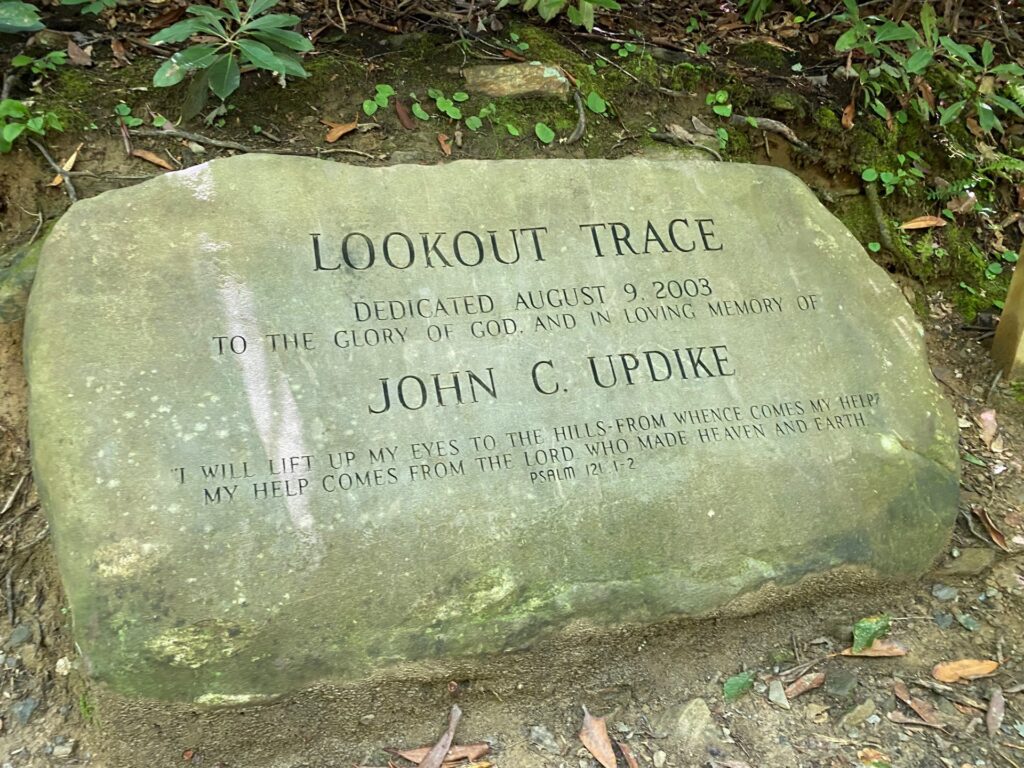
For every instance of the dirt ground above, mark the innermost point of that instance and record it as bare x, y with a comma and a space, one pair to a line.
661, 688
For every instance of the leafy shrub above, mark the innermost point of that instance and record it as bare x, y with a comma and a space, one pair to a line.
581, 13
16, 17
16, 118
255, 38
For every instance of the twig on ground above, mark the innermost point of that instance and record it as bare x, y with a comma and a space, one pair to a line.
581, 122
176, 133
69, 186
21, 482
9, 594
772, 126
9, 81
676, 141
884, 237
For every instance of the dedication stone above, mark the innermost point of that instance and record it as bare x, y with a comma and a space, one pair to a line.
293, 419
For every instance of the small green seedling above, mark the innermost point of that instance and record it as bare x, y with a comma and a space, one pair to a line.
48, 63
379, 101
16, 118
719, 103
544, 133
624, 50
518, 43
124, 113
596, 104
738, 685
448, 106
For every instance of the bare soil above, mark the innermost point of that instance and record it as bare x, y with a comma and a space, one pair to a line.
637, 679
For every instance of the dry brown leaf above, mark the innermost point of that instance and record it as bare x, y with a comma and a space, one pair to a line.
337, 130
120, 53
404, 117
435, 757
869, 755
78, 56
594, 735
963, 669
989, 425
925, 710
882, 647
445, 142
849, 113
628, 754
804, 684
455, 753
996, 711
901, 719
67, 165
993, 530
924, 222
152, 157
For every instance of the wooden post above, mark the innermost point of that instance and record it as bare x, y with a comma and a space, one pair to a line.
1008, 346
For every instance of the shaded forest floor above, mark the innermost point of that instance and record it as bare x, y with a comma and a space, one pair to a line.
660, 689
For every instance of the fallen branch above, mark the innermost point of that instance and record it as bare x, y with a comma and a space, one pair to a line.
69, 187
884, 237
581, 122
677, 141
771, 126
177, 133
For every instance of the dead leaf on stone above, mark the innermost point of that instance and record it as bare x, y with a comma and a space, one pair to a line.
455, 754
994, 533
628, 754
152, 157
881, 648
996, 711
337, 130
924, 222
963, 669
849, 113
804, 684
67, 165
594, 735
445, 142
80, 57
404, 116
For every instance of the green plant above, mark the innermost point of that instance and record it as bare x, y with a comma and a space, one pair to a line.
16, 118
756, 9
16, 17
580, 13
719, 103
91, 6
979, 84
596, 103
520, 45
123, 112
253, 38
624, 50
544, 133
49, 62
448, 106
905, 176
379, 101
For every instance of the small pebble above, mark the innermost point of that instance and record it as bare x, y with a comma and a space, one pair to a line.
63, 666
20, 635
944, 593
659, 758
943, 620
22, 710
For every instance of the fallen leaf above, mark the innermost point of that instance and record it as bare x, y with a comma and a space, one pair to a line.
437, 753
777, 694
455, 753
701, 127
337, 130
80, 57
996, 711
404, 117
993, 531
869, 755
817, 713
446, 147
880, 648
974, 128
901, 719
963, 669
804, 684
869, 629
628, 754
510, 54
926, 92
594, 735
738, 685
120, 53
924, 710
67, 165
989, 426
849, 113
152, 157
924, 222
